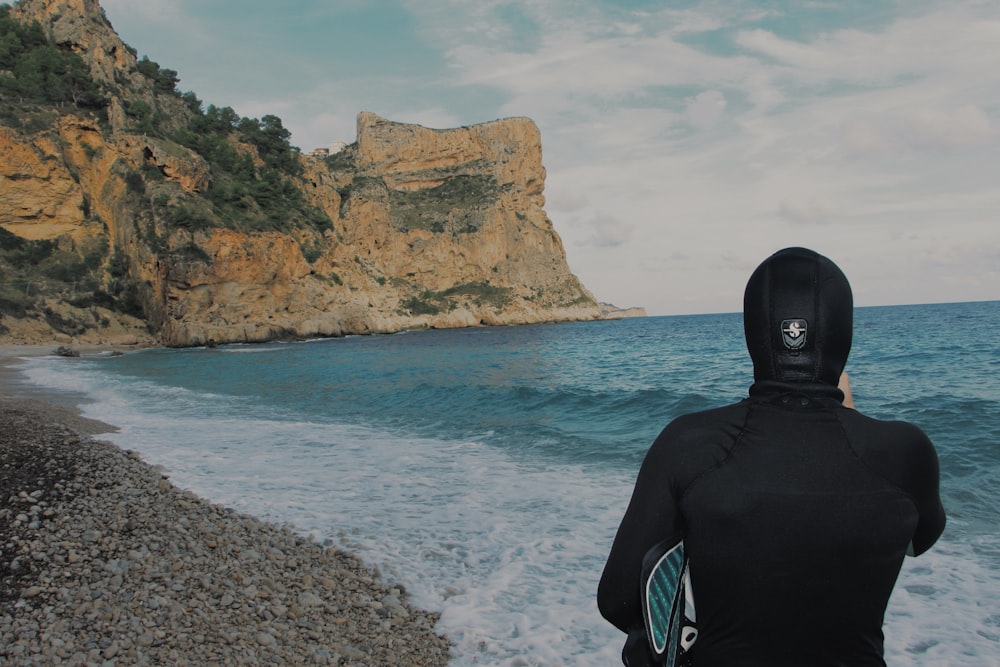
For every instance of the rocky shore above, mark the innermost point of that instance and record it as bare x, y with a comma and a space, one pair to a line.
104, 562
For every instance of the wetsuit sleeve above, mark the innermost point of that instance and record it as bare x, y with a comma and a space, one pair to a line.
923, 485
904, 455
651, 517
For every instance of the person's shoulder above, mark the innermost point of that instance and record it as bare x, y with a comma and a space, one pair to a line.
696, 441
892, 428
888, 443
698, 425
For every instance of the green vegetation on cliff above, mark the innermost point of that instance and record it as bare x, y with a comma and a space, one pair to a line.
36, 274
244, 195
253, 165
455, 206
479, 293
33, 68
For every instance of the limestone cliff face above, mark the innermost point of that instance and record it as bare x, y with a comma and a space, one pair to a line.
431, 228
41, 199
613, 312
420, 227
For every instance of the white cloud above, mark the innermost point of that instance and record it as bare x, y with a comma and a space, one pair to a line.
566, 201
609, 232
573, 69
968, 126
326, 128
810, 210
705, 109
863, 137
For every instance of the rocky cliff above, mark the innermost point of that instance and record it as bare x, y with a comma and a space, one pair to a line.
612, 312
131, 212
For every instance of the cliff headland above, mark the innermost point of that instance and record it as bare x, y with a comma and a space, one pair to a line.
131, 213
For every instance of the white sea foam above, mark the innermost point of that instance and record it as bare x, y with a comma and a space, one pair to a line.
940, 613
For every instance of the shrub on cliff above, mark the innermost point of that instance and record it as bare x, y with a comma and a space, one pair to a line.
164, 80
452, 206
427, 303
246, 195
270, 138
482, 293
33, 270
39, 70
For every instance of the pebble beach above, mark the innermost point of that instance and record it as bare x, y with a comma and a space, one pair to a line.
104, 562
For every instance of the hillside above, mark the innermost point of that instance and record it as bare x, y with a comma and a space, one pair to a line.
130, 211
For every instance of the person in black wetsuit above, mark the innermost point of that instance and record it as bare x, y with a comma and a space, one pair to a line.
795, 511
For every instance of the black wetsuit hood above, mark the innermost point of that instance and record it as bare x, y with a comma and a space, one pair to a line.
798, 318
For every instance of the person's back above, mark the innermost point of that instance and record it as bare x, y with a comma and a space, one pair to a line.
795, 511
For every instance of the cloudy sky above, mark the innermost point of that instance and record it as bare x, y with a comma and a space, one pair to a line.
683, 144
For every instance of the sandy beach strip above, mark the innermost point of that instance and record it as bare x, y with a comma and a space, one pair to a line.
104, 562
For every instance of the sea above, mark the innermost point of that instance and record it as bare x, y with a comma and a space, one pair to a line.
486, 469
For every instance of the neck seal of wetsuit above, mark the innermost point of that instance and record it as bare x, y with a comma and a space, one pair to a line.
798, 318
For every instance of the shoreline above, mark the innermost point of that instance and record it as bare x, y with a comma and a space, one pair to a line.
13, 385
104, 561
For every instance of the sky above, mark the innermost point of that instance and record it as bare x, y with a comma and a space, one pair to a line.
683, 142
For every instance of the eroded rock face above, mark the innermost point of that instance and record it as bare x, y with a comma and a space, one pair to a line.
187, 168
436, 228
40, 198
430, 228
411, 157
80, 26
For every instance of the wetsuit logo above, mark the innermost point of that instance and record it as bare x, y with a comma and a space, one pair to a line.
793, 333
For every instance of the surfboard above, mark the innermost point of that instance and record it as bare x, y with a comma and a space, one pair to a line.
668, 604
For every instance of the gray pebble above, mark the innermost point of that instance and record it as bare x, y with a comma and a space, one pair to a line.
179, 581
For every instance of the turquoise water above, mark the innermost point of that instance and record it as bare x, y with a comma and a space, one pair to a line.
487, 469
